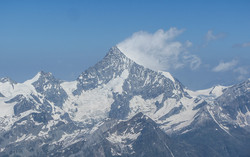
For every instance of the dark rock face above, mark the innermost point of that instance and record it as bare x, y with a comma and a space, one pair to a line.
210, 140
24, 138
236, 99
232, 107
1, 95
22, 104
140, 137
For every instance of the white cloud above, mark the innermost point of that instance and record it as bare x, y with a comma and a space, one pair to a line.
159, 51
246, 44
194, 61
242, 73
210, 36
225, 66
242, 45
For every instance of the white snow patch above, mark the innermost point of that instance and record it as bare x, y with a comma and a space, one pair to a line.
167, 75
168, 105
11, 90
138, 104
31, 137
21, 138
218, 90
24, 89
22, 122
176, 121
34, 79
114, 153
172, 123
186, 131
6, 89
198, 92
96, 127
214, 92
6, 108
117, 83
243, 120
69, 87
123, 138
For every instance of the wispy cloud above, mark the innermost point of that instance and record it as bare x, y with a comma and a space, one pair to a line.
210, 36
225, 66
243, 72
159, 51
232, 66
247, 44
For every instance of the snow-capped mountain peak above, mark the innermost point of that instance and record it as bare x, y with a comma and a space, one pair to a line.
115, 108
129, 87
39, 75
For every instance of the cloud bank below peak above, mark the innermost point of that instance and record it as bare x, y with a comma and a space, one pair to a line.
159, 51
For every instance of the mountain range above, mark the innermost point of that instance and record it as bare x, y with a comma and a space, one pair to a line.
120, 108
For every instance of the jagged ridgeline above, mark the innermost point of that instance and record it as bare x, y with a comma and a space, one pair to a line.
120, 108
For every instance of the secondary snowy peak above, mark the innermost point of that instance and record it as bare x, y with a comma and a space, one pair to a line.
233, 104
6, 79
235, 94
50, 87
42, 76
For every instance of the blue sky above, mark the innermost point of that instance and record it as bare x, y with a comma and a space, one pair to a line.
67, 37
